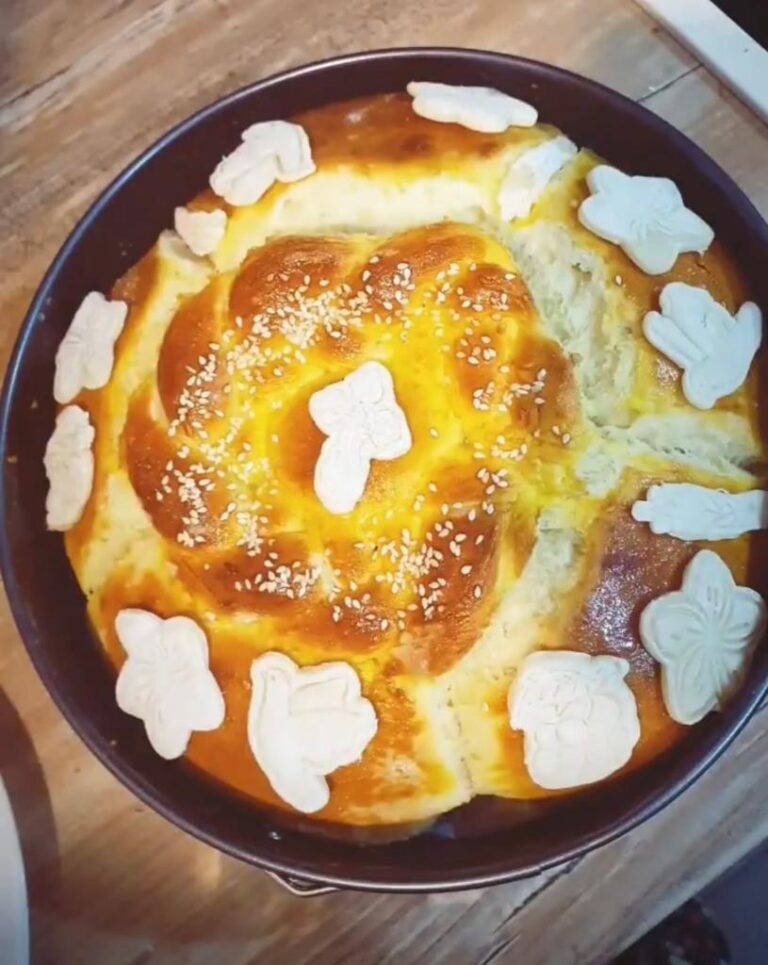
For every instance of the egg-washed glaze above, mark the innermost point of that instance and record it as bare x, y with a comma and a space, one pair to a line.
713, 348
528, 176
363, 421
513, 412
704, 636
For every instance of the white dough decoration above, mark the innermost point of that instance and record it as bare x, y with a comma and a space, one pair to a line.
646, 216
201, 231
363, 421
270, 151
166, 681
714, 349
578, 715
703, 635
528, 176
68, 464
691, 512
477, 108
86, 355
303, 724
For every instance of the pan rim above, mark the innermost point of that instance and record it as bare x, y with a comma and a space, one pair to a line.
426, 880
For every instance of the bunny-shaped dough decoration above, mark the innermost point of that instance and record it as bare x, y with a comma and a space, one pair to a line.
713, 348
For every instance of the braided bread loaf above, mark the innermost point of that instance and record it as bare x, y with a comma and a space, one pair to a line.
536, 414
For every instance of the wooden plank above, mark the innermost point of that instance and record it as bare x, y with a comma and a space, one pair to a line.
706, 111
720, 43
617, 893
84, 86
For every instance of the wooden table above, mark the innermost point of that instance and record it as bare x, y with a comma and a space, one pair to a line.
86, 85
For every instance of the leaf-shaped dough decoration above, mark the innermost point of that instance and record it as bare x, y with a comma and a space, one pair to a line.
704, 636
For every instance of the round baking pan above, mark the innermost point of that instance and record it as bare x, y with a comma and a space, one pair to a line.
487, 841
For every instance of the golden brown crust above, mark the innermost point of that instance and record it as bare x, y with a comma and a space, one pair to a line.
204, 502
384, 132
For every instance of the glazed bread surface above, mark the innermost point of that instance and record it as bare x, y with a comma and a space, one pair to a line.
538, 412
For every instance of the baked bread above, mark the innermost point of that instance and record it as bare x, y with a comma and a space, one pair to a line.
538, 414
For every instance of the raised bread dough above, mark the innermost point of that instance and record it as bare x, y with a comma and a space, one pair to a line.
538, 413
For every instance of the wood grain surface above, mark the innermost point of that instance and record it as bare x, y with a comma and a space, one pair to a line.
84, 86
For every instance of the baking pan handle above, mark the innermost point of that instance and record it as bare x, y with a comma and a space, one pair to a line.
299, 887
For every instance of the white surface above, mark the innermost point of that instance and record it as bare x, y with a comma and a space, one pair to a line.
691, 512
703, 635
712, 347
14, 913
201, 231
86, 355
166, 681
303, 724
481, 109
363, 421
720, 43
270, 151
578, 716
68, 464
646, 216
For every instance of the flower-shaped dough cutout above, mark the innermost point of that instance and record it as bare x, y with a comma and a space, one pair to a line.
714, 349
166, 681
691, 512
481, 109
68, 464
704, 636
578, 715
645, 216
303, 724
270, 151
528, 176
363, 421
86, 355
201, 231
